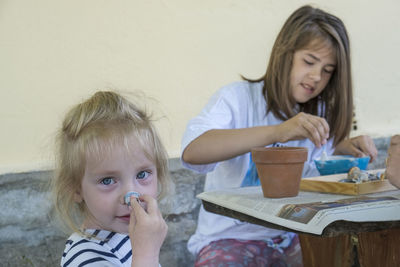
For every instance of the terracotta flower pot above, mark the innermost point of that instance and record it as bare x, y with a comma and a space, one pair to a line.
279, 169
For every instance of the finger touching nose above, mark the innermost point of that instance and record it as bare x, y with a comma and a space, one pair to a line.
129, 196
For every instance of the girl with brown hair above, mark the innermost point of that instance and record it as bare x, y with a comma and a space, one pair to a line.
305, 99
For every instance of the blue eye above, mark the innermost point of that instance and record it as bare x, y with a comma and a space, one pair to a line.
107, 181
142, 175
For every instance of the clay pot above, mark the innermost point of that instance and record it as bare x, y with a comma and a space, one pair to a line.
279, 169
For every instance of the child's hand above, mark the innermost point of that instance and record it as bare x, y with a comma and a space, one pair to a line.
147, 231
303, 126
359, 146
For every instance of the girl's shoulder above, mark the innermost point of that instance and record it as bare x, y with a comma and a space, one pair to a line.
99, 245
241, 92
242, 88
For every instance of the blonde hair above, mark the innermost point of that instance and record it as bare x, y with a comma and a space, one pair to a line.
311, 26
93, 128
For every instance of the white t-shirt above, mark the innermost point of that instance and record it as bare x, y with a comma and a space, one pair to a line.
237, 105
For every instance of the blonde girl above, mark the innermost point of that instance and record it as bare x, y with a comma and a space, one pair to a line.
108, 147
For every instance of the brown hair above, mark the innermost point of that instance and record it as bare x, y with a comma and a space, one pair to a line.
91, 129
305, 26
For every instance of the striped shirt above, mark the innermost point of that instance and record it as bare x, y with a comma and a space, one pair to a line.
102, 248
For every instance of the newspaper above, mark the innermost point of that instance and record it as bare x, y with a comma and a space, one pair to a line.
308, 212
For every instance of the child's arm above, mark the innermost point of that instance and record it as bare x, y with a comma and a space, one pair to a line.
147, 231
218, 145
359, 146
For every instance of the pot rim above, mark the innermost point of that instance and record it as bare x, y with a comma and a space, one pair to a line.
279, 154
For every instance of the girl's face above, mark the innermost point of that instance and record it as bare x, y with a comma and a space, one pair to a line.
107, 181
311, 72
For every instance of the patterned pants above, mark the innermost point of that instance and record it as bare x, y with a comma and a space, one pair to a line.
253, 253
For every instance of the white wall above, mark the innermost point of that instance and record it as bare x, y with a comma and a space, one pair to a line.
54, 53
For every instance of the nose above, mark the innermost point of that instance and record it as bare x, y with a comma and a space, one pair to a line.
125, 196
315, 74
122, 198
128, 190
128, 198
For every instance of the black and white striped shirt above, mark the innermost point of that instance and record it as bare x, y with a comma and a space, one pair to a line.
102, 248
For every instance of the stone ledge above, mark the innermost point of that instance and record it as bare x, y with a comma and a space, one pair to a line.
28, 237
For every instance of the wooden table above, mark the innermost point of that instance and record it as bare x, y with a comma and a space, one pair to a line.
342, 243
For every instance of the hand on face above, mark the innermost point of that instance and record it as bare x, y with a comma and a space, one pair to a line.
147, 230
303, 126
359, 146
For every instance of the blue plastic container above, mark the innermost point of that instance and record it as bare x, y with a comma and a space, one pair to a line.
340, 164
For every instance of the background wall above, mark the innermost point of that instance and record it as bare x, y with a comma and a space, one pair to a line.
55, 53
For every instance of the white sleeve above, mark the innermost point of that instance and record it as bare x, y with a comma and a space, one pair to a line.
219, 113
